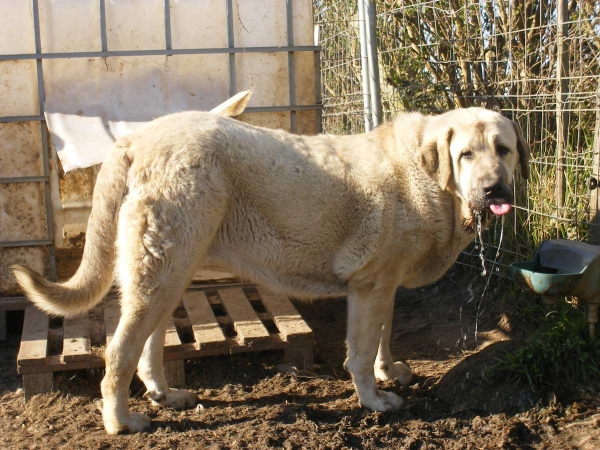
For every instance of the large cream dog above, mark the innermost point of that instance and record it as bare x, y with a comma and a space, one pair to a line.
307, 216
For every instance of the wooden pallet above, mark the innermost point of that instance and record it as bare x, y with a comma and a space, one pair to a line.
69, 259
210, 321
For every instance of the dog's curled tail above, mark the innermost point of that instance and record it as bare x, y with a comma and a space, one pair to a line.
95, 274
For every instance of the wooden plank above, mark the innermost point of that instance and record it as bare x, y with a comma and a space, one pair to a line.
76, 339
54, 363
175, 373
212, 274
14, 303
34, 340
290, 323
246, 323
37, 383
112, 314
214, 301
205, 285
206, 329
172, 341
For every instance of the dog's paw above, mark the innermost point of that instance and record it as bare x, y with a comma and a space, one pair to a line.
383, 401
175, 398
398, 370
132, 424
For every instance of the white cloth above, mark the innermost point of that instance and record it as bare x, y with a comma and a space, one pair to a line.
91, 102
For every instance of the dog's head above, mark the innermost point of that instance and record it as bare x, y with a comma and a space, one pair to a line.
473, 153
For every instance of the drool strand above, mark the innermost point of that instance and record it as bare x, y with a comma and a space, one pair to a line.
484, 271
496, 258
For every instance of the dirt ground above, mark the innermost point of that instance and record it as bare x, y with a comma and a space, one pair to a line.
250, 401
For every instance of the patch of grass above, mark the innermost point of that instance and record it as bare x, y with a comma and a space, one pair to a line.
559, 356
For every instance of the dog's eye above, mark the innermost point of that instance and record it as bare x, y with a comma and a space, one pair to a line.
503, 150
466, 155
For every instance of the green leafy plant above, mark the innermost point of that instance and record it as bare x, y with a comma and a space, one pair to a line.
559, 356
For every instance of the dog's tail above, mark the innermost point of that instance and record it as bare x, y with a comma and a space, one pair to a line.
94, 276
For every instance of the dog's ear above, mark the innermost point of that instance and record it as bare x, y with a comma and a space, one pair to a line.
435, 156
524, 151
234, 106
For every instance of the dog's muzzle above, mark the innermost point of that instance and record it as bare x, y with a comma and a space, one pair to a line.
496, 198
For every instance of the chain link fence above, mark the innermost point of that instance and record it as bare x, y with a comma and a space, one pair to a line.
535, 61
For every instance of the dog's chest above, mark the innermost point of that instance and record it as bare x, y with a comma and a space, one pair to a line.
425, 254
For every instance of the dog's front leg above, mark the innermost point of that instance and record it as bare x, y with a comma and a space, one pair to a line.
385, 367
367, 310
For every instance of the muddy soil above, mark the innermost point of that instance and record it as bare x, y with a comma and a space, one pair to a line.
250, 401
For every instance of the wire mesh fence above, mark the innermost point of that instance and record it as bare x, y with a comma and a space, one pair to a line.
337, 31
536, 61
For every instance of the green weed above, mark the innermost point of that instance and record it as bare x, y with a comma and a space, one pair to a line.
560, 356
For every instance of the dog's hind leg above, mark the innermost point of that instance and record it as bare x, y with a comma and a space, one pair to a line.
141, 315
147, 304
160, 243
385, 367
151, 372
367, 312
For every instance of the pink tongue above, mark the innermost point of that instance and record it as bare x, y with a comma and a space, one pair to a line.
500, 209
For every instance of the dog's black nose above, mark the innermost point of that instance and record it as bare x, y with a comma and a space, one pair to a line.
495, 190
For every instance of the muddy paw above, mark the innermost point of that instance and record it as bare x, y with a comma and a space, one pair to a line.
399, 370
175, 398
134, 423
383, 401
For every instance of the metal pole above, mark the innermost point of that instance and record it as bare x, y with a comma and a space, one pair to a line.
103, 37
231, 44
371, 34
156, 52
167, 7
291, 63
318, 95
562, 115
594, 237
45, 144
364, 63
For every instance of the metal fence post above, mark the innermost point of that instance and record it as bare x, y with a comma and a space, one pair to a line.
371, 35
594, 236
45, 143
562, 114
364, 64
